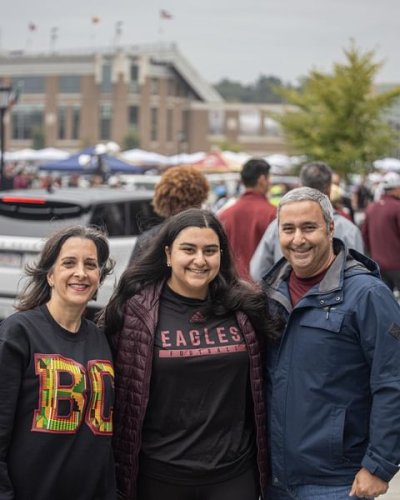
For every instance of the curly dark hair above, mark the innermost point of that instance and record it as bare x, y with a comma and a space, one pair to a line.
227, 292
37, 290
180, 188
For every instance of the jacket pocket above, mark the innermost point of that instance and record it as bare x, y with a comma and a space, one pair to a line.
325, 319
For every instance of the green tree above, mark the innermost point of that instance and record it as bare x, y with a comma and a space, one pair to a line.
263, 90
338, 117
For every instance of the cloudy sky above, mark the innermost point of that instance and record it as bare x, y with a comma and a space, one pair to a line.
237, 39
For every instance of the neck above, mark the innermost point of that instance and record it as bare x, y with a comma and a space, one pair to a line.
256, 189
68, 318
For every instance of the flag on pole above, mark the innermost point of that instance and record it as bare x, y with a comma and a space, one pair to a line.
164, 14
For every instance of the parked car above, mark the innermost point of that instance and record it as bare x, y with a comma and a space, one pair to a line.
27, 217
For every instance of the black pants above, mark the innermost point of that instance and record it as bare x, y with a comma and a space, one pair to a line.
243, 487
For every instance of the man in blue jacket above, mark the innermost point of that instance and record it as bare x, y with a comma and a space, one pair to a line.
333, 378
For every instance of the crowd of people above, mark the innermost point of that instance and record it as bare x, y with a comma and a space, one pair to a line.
252, 353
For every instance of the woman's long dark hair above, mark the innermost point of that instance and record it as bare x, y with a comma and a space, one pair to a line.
227, 293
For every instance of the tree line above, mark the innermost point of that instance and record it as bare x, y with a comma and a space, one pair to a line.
264, 90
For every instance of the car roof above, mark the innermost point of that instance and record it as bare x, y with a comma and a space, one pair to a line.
82, 196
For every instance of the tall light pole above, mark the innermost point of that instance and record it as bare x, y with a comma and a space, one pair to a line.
5, 94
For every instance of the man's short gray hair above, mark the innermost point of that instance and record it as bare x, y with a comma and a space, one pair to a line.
309, 194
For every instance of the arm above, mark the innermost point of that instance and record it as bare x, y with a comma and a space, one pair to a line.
379, 330
264, 256
11, 369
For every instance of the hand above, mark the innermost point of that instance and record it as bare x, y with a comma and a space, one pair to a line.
366, 484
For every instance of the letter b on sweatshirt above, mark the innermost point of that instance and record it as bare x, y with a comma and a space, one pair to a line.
63, 393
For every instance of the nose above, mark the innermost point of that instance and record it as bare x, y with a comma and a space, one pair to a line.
199, 258
80, 269
298, 236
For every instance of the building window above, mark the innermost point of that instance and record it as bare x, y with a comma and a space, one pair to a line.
170, 125
185, 125
105, 121
76, 122
69, 84
171, 87
25, 120
272, 127
249, 123
216, 119
133, 117
30, 84
134, 78
154, 86
61, 122
134, 73
154, 124
106, 84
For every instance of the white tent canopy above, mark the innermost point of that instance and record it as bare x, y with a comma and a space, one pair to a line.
143, 157
185, 158
387, 164
42, 155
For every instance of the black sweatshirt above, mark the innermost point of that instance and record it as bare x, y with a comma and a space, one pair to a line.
56, 397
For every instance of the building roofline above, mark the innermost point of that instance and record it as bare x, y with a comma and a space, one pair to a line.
161, 53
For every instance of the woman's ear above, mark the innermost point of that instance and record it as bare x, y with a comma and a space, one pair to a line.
50, 279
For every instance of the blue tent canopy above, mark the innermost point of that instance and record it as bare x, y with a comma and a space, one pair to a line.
86, 162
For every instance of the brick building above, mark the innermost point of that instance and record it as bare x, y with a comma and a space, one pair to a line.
76, 99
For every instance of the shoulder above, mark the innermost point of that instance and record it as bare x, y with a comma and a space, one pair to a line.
17, 332
21, 320
365, 286
148, 298
227, 211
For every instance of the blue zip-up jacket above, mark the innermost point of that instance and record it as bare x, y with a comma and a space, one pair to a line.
333, 382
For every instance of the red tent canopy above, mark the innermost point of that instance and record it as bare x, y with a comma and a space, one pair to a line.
213, 162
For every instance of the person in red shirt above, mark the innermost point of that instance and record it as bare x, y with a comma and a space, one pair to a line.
381, 230
246, 220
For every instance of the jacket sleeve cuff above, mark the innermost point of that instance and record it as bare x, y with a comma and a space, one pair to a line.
379, 466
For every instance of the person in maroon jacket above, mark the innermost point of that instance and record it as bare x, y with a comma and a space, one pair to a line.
247, 219
189, 409
381, 231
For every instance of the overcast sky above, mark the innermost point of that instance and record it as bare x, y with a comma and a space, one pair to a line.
236, 39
